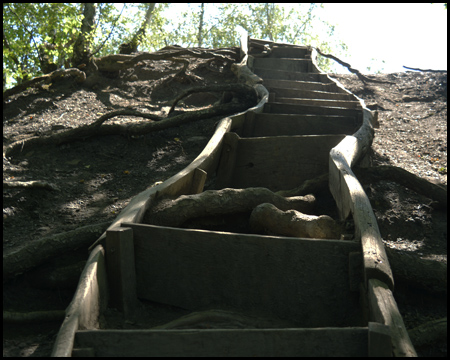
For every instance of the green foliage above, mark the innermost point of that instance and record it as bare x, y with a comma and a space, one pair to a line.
32, 30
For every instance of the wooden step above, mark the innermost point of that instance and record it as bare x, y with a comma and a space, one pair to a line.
281, 277
277, 162
344, 342
289, 75
281, 108
308, 94
290, 52
313, 83
257, 125
318, 102
292, 65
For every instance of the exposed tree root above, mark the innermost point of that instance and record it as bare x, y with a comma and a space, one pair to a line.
404, 178
425, 70
218, 202
33, 317
419, 273
96, 127
361, 77
39, 184
429, 332
268, 219
221, 319
310, 186
37, 252
80, 76
246, 94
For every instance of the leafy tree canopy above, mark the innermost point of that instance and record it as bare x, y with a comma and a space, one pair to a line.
40, 36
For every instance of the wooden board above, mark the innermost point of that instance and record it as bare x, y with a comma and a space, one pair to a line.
289, 52
294, 65
384, 310
257, 125
318, 102
280, 108
310, 82
277, 163
276, 74
278, 276
308, 94
231, 343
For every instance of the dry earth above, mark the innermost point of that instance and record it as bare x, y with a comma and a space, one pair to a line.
97, 177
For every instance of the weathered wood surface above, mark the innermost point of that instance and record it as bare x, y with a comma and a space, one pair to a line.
308, 94
285, 277
258, 125
352, 341
383, 309
351, 198
121, 270
318, 102
280, 108
277, 163
299, 65
87, 304
307, 81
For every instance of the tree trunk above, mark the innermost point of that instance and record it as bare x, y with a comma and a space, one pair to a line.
200, 26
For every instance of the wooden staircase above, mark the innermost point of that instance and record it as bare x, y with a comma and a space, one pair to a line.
341, 303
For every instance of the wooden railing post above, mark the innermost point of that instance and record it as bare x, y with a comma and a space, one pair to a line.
121, 270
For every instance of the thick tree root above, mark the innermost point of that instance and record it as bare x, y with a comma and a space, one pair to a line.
38, 184
310, 186
429, 333
37, 252
360, 76
221, 319
404, 178
266, 218
33, 317
421, 274
96, 128
219, 202
80, 76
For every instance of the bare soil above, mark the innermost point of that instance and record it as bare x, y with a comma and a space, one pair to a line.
97, 177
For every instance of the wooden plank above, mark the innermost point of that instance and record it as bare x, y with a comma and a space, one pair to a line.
351, 198
289, 52
296, 124
379, 340
282, 75
284, 277
320, 102
227, 342
312, 84
227, 160
308, 94
198, 181
281, 162
121, 270
294, 65
383, 309
280, 108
